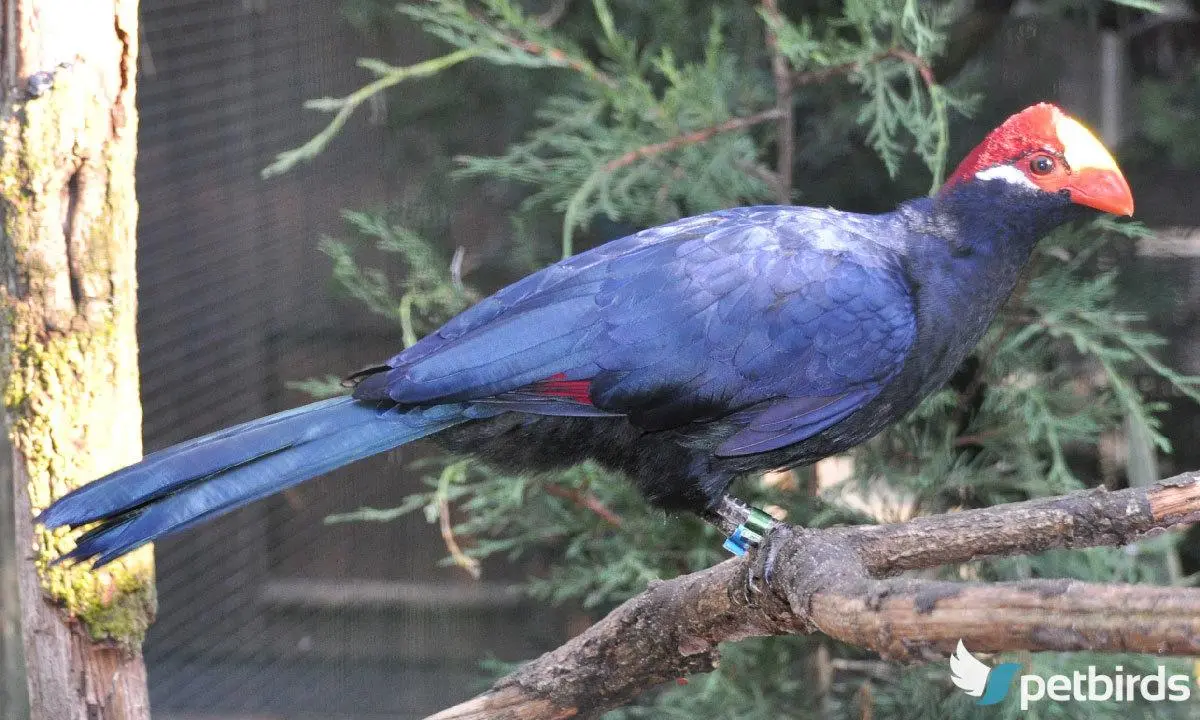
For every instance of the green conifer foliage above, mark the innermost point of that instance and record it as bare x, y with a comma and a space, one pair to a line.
654, 111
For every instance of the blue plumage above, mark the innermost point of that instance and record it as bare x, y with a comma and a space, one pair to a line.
175, 488
683, 356
705, 316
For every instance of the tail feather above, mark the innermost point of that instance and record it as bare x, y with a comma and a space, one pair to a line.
161, 472
188, 483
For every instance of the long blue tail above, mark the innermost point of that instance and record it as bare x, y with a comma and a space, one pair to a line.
197, 480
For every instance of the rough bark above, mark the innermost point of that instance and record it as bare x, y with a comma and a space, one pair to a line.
68, 213
14, 697
838, 582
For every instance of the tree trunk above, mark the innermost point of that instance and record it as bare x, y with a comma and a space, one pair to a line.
68, 131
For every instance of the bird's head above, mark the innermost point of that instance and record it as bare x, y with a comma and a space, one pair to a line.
1042, 151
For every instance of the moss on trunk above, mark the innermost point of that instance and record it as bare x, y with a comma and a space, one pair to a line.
67, 233
71, 391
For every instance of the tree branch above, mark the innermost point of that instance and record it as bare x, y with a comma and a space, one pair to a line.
461, 559
910, 58
836, 581
585, 500
820, 75
560, 56
691, 138
786, 80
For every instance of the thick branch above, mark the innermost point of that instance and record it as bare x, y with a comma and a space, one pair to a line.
835, 581
1083, 519
913, 619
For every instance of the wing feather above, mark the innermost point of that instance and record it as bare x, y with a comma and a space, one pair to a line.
779, 317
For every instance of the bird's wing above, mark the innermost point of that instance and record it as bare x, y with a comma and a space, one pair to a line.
792, 319
527, 332
792, 323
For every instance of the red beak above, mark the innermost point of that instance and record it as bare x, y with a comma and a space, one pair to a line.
1102, 189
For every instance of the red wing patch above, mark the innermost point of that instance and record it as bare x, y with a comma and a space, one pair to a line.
559, 386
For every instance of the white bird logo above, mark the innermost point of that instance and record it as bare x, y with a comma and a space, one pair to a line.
967, 672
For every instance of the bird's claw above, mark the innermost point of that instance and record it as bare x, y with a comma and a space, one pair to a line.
761, 572
754, 582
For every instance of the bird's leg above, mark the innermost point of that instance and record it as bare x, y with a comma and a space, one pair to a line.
744, 524
747, 527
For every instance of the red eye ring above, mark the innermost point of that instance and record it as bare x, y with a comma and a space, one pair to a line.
1041, 164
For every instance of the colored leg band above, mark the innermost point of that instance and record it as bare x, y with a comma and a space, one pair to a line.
750, 533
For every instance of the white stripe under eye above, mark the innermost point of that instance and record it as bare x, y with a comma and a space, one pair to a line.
1007, 173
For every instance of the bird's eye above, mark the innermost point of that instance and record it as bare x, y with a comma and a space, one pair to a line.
1041, 164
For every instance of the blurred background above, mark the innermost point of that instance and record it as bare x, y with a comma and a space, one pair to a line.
271, 612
